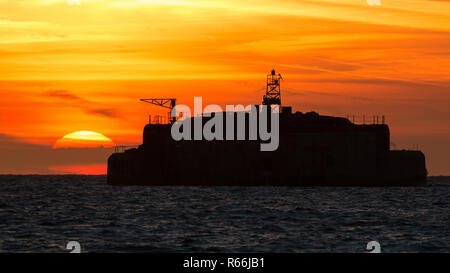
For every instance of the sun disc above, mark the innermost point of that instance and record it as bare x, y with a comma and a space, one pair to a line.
83, 139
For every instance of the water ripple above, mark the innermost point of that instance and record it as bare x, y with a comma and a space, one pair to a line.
43, 213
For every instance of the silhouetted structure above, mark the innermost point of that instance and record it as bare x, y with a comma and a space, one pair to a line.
314, 150
166, 103
273, 92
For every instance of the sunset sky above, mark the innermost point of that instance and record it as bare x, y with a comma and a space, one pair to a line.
68, 68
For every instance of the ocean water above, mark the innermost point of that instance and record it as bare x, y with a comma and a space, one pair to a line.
44, 213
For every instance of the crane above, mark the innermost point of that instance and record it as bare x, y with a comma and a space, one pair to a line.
166, 103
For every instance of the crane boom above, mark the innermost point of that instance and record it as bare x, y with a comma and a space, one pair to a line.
166, 103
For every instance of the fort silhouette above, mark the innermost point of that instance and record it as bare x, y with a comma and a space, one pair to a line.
314, 150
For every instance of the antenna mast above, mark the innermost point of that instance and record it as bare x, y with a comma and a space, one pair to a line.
273, 93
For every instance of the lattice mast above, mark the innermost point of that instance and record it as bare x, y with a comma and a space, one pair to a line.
273, 93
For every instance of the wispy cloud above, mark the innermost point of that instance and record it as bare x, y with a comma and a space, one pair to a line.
88, 106
110, 113
66, 95
339, 55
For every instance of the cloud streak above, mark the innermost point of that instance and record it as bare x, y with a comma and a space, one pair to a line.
339, 55
89, 107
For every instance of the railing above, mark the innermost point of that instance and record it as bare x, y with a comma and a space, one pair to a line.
410, 147
157, 119
369, 120
121, 149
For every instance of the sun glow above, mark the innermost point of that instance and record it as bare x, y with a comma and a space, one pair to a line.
65, 67
83, 139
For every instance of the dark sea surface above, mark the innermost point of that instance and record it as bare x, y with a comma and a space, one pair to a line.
44, 213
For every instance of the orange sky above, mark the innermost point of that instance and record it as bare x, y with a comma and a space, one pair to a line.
83, 68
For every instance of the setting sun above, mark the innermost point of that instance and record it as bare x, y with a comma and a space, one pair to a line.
68, 67
83, 139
